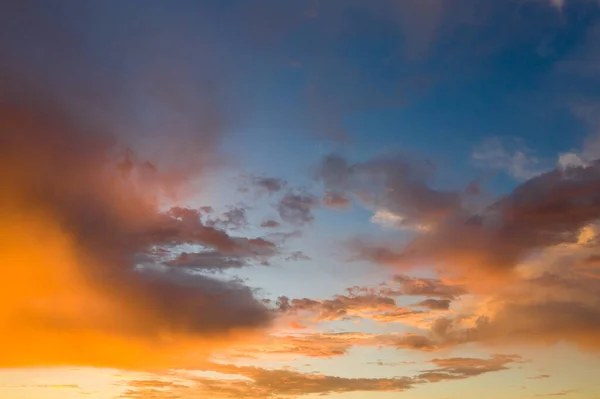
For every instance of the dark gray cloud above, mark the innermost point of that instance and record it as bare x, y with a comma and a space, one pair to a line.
209, 260
233, 219
270, 224
297, 255
393, 183
262, 184
546, 210
433, 304
296, 207
270, 184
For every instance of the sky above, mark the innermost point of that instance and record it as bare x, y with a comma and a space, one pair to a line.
300, 199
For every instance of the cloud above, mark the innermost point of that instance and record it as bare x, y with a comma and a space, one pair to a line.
388, 219
270, 224
232, 219
317, 345
428, 287
361, 303
460, 368
264, 184
544, 211
284, 347
390, 364
396, 185
559, 393
297, 255
520, 162
44, 386
434, 304
538, 311
544, 323
260, 383
539, 377
83, 208
296, 207
336, 200
209, 260
339, 308
587, 112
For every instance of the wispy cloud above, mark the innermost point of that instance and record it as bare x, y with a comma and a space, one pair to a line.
519, 161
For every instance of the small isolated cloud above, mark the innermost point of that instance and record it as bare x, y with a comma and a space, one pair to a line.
270, 224
297, 256
433, 304
261, 184
539, 377
270, 184
559, 393
334, 199
296, 207
207, 261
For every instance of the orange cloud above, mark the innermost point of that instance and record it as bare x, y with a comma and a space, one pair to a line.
260, 383
83, 243
528, 259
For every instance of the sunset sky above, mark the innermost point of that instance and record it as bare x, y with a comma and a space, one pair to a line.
281, 199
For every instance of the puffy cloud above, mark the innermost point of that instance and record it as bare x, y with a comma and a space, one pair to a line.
547, 210
232, 219
540, 239
396, 185
296, 207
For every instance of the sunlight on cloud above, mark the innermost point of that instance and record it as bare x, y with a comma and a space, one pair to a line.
391, 220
